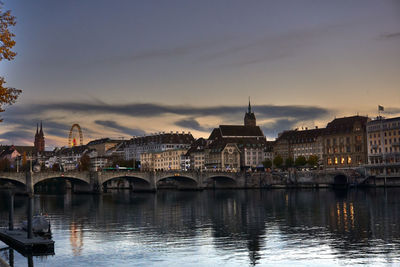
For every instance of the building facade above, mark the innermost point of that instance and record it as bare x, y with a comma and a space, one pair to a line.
296, 143
157, 142
345, 142
249, 139
383, 138
162, 160
220, 156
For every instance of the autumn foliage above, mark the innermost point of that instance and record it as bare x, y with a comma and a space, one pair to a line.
8, 95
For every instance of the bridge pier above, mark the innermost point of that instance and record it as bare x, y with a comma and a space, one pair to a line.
153, 182
95, 185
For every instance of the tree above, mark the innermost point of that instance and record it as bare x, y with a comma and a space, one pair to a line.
84, 163
300, 161
5, 165
278, 161
267, 163
8, 95
313, 160
289, 162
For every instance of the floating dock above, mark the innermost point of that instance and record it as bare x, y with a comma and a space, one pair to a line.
18, 240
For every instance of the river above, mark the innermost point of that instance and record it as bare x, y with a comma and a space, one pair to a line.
219, 228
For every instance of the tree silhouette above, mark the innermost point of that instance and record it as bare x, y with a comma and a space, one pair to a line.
8, 95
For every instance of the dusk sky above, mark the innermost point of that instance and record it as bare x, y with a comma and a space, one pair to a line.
124, 68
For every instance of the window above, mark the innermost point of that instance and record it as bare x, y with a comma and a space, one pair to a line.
336, 160
342, 160
329, 161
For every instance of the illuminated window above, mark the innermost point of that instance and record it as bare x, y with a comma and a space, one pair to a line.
342, 160
336, 160
329, 161
348, 160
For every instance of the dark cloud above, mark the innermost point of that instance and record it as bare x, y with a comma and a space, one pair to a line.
24, 118
148, 110
391, 111
272, 129
191, 123
390, 36
17, 136
116, 126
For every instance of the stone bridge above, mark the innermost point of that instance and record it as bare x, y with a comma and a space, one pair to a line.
150, 181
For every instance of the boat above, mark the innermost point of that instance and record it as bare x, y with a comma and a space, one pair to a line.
40, 225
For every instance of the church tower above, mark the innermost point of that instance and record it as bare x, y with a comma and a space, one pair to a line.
249, 118
39, 139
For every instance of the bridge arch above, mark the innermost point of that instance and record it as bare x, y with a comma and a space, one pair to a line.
222, 181
66, 177
134, 182
340, 180
179, 181
13, 181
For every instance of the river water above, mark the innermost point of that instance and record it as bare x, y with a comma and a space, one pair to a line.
219, 228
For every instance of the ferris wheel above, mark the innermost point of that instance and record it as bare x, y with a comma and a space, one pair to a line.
74, 134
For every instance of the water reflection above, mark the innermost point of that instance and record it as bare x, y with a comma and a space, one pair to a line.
244, 227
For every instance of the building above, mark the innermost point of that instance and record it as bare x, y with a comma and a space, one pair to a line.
103, 145
157, 142
39, 142
345, 142
162, 160
196, 155
383, 139
269, 150
295, 143
221, 156
249, 138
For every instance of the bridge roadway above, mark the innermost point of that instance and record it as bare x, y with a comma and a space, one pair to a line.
149, 181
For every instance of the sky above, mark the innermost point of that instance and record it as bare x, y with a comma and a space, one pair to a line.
126, 68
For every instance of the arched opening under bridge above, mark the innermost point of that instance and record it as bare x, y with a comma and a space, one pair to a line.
177, 182
61, 185
221, 182
126, 182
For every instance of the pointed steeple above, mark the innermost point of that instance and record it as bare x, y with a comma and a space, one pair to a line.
41, 128
249, 117
37, 128
249, 110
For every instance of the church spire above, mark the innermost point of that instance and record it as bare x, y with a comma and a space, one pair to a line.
41, 128
37, 128
249, 110
249, 117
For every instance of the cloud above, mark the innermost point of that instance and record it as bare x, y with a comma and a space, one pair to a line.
116, 126
271, 129
23, 119
169, 52
148, 110
191, 123
16, 136
392, 111
274, 46
390, 36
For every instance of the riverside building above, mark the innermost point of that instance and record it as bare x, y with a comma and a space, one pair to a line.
384, 146
157, 142
248, 138
162, 160
345, 142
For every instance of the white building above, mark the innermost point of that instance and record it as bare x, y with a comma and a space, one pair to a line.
157, 142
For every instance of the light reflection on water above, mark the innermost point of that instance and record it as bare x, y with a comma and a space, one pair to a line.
226, 227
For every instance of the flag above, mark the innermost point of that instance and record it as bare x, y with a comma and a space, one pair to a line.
381, 108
